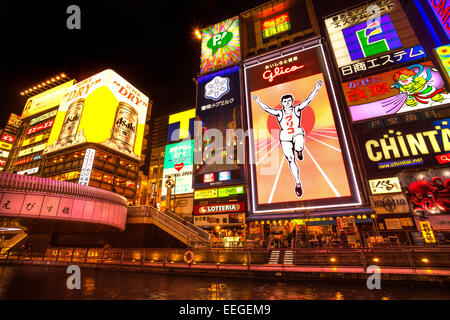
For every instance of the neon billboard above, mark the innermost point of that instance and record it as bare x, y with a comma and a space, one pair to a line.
417, 86
276, 25
299, 158
220, 45
360, 36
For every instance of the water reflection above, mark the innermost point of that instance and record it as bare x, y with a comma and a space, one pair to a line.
34, 282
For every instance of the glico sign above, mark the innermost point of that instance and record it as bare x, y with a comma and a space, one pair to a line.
403, 147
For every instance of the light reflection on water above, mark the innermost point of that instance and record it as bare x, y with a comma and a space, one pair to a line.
37, 282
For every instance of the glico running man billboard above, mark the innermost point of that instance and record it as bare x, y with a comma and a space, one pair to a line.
103, 109
417, 86
299, 157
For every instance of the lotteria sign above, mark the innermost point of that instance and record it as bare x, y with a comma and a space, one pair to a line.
219, 208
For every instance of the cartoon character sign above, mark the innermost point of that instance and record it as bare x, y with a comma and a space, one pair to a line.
411, 88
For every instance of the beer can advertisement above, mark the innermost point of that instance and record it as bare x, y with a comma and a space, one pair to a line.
410, 146
417, 86
299, 158
428, 192
361, 35
46, 100
178, 163
103, 109
220, 45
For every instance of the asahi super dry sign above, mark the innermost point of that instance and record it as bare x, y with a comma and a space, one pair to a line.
104, 109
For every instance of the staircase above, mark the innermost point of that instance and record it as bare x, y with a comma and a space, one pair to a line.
171, 223
274, 257
288, 257
17, 237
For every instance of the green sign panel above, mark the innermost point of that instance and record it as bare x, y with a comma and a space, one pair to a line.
230, 191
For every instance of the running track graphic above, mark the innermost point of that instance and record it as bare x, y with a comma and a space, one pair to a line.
322, 170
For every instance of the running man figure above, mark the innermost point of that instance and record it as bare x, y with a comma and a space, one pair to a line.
292, 135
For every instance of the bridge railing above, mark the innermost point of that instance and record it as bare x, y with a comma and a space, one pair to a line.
17, 182
408, 257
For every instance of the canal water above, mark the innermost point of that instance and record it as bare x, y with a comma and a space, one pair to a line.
38, 282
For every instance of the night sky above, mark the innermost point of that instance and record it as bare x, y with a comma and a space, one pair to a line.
151, 44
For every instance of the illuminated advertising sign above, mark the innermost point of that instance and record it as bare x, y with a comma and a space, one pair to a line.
46, 100
4, 154
43, 117
443, 55
86, 169
23, 161
362, 37
119, 124
14, 121
397, 148
29, 171
218, 108
6, 146
230, 191
224, 175
33, 149
299, 157
205, 194
221, 192
35, 139
220, 208
8, 138
385, 185
41, 127
428, 192
220, 45
440, 9
181, 125
387, 204
417, 86
276, 25
178, 162
2, 162
427, 232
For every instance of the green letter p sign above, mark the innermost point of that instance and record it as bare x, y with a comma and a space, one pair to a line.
219, 40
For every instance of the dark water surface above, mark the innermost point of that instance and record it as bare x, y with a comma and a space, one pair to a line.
38, 282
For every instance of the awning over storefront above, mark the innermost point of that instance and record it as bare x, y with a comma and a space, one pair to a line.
317, 214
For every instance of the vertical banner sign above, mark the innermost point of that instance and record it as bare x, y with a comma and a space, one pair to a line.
443, 55
427, 232
178, 162
219, 111
86, 169
220, 45
299, 157
372, 36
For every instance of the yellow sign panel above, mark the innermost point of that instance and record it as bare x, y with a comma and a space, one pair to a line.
33, 149
103, 109
45, 100
427, 232
184, 118
205, 194
35, 139
5, 146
